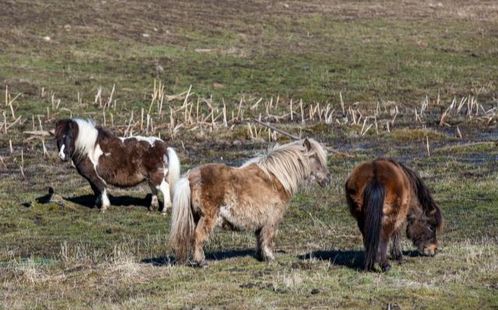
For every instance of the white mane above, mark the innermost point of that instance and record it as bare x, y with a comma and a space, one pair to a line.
87, 137
289, 163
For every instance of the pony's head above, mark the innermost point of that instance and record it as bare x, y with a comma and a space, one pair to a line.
317, 157
66, 132
75, 138
426, 219
423, 229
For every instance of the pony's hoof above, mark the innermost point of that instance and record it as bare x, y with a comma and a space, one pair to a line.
265, 258
202, 264
268, 259
154, 204
385, 267
397, 257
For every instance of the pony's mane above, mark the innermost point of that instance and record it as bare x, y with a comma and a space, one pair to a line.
60, 128
289, 163
423, 194
319, 151
87, 137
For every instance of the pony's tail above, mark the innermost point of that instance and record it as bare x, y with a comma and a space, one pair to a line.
173, 171
182, 221
373, 200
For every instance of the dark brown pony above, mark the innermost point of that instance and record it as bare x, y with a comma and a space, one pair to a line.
383, 195
103, 158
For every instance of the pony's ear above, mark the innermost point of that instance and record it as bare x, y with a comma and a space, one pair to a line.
307, 144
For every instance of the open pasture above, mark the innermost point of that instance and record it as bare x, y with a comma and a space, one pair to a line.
412, 80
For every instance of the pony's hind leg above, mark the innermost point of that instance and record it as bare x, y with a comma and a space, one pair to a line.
202, 231
382, 255
396, 251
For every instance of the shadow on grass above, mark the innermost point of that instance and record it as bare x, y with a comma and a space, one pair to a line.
210, 256
412, 253
350, 259
159, 261
89, 200
221, 255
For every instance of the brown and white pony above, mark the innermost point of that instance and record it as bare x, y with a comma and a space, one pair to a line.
105, 159
383, 195
252, 197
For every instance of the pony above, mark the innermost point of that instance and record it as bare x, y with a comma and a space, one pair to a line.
383, 195
105, 159
252, 197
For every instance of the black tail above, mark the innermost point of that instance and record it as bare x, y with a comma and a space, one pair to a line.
373, 201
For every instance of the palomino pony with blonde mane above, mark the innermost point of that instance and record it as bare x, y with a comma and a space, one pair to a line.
253, 197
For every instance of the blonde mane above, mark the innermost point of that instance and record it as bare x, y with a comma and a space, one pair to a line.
289, 163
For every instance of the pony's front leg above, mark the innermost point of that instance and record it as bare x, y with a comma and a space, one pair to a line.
264, 245
154, 203
87, 170
164, 188
202, 231
105, 201
101, 200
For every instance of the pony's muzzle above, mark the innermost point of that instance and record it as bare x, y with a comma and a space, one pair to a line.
325, 181
429, 250
64, 154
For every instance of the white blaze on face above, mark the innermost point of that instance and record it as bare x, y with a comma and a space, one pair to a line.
61, 152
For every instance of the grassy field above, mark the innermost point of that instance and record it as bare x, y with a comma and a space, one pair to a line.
412, 80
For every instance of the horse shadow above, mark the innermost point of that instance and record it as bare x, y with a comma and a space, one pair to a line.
210, 256
350, 259
159, 261
222, 255
412, 253
123, 201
